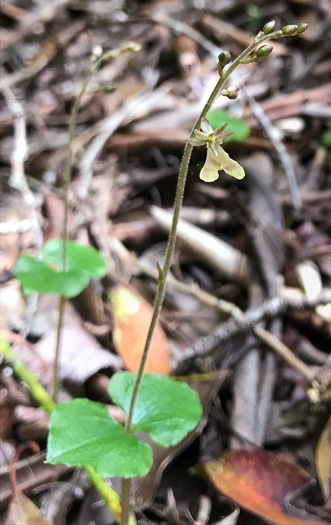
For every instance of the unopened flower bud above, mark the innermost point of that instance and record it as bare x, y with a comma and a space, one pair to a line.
301, 29
259, 35
132, 47
289, 30
277, 34
96, 53
264, 51
254, 58
223, 59
269, 27
245, 61
230, 92
233, 92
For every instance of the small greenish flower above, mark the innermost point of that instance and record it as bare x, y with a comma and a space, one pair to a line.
217, 159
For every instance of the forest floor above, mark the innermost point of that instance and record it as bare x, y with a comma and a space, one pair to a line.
247, 311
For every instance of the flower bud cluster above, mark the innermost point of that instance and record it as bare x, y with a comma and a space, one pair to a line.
268, 31
289, 30
293, 30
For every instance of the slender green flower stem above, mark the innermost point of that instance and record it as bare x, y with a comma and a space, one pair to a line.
163, 272
125, 500
110, 497
66, 184
71, 134
56, 364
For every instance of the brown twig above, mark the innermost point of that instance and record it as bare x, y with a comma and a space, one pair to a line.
283, 351
29, 21
205, 346
41, 61
281, 151
18, 157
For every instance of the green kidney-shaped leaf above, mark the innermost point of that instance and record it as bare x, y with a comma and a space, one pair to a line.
35, 275
78, 257
165, 409
241, 130
81, 432
46, 275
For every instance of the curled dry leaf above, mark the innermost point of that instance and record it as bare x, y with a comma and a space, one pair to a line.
132, 317
23, 512
259, 481
81, 355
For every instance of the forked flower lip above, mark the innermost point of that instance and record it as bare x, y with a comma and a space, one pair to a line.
217, 159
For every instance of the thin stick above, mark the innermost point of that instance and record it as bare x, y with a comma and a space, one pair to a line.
283, 154
205, 346
283, 351
20, 151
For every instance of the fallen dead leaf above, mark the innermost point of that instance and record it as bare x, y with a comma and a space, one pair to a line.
132, 317
259, 481
81, 356
23, 512
323, 460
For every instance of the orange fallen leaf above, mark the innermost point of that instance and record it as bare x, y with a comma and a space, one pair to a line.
259, 481
132, 317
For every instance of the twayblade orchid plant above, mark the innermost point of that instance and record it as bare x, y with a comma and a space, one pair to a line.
217, 159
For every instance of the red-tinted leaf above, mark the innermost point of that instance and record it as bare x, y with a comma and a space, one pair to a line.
259, 481
132, 317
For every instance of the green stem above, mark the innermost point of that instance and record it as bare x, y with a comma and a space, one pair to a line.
173, 232
36, 390
66, 184
110, 497
163, 272
56, 365
125, 500
71, 133
70, 153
